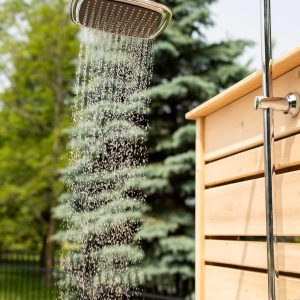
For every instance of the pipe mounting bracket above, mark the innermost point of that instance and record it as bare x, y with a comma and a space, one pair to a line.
290, 104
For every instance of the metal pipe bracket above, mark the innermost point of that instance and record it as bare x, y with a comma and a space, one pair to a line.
290, 104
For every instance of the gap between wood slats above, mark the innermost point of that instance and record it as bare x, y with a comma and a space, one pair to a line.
258, 176
236, 267
239, 209
253, 254
237, 238
280, 239
246, 178
252, 269
250, 163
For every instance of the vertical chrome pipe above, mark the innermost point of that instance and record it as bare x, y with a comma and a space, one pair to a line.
268, 143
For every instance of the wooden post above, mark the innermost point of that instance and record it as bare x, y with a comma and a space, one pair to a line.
200, 209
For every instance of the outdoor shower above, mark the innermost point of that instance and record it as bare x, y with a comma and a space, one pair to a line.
108, 145
144, 20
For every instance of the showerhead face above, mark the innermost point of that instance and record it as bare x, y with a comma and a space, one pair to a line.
135, 18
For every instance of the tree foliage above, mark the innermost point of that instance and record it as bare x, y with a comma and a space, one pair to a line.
38, 46
187, 71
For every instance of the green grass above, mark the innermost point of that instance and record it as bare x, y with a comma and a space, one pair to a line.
24, 282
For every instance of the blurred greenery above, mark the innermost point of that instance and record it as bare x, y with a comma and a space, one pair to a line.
38, 50
20, 284
38, 47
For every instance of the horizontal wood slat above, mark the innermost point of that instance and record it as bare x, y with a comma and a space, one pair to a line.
239, 209
237, 126
251, 162
235, 167
247, 254
287, 152
232, 284
233, 128
253, 254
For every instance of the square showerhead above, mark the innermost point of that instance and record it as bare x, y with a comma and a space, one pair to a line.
135, 18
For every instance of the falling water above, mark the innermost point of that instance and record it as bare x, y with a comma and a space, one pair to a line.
104, 203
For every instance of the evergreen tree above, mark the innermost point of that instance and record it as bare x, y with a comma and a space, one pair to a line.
187, 71
38, 45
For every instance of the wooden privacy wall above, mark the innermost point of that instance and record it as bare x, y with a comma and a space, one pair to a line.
231, 252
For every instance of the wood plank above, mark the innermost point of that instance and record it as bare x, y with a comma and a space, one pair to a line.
236, 209
253, 254
239, 209
288, 257
200, 209
280, 66
251, 162
289, 289
287, 152
238, 127
235, 167
234, 128
233, 284
240, 253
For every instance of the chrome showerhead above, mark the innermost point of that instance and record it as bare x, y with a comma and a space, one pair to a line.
135, 18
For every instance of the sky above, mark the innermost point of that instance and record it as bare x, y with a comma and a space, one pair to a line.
241, 19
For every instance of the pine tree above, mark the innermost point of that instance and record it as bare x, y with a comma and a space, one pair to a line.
187, 71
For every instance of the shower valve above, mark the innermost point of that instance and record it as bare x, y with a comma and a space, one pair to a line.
289, 104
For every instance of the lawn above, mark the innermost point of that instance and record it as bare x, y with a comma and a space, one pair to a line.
24, 282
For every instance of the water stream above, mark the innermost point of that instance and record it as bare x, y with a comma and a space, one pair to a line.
103, 205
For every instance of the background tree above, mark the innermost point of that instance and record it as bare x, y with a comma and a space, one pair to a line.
187, 71
38, 46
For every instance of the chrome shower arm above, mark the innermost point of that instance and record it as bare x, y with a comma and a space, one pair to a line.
289, 104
